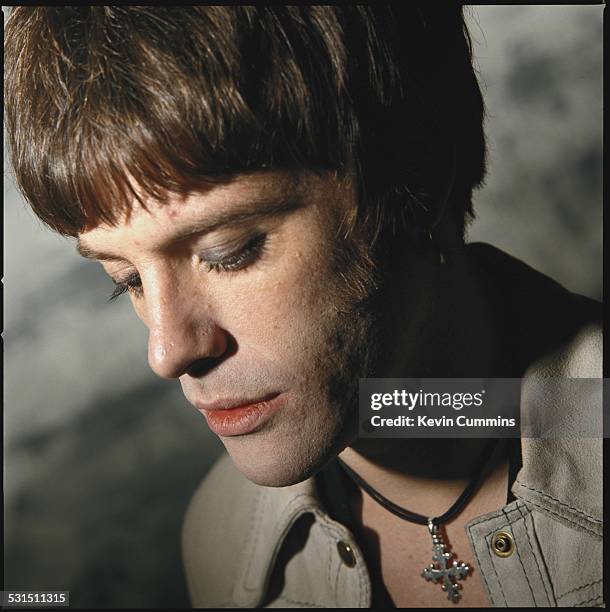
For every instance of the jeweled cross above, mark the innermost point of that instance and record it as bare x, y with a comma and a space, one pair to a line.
442, 567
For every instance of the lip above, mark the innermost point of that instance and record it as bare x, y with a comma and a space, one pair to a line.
239, 417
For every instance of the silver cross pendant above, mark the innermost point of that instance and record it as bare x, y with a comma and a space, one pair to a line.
443, 569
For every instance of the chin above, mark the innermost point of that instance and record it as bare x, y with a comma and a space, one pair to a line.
273, 475
273, 461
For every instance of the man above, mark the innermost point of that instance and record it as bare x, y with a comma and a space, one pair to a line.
283, 194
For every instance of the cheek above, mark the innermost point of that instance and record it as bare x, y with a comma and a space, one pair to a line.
285, 302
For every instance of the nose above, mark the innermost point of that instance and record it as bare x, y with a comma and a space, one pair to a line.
183, 337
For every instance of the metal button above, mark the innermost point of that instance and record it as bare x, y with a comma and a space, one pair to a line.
502, 544
346, 553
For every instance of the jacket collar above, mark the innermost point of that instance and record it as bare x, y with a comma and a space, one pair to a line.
562, 470
275, 512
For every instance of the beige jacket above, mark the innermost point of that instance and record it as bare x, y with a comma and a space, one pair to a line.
234, 530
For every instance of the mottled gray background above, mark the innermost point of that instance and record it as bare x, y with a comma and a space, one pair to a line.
101, 457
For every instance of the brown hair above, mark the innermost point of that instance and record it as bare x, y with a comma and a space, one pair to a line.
104, 104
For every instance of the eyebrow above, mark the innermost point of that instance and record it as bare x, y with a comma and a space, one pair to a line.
253, 210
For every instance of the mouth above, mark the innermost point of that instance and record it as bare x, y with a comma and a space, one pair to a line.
240, 417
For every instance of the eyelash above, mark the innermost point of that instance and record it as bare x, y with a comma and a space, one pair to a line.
240, 260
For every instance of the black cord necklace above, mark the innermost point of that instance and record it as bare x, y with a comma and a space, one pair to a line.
442, 569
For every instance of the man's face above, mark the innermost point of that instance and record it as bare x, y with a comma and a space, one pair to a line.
245, 303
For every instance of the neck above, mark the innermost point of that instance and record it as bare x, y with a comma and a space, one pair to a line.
438, 321
439, 325
424, 476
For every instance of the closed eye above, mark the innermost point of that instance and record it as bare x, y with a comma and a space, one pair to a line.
238, 260
233, 262
132, 283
